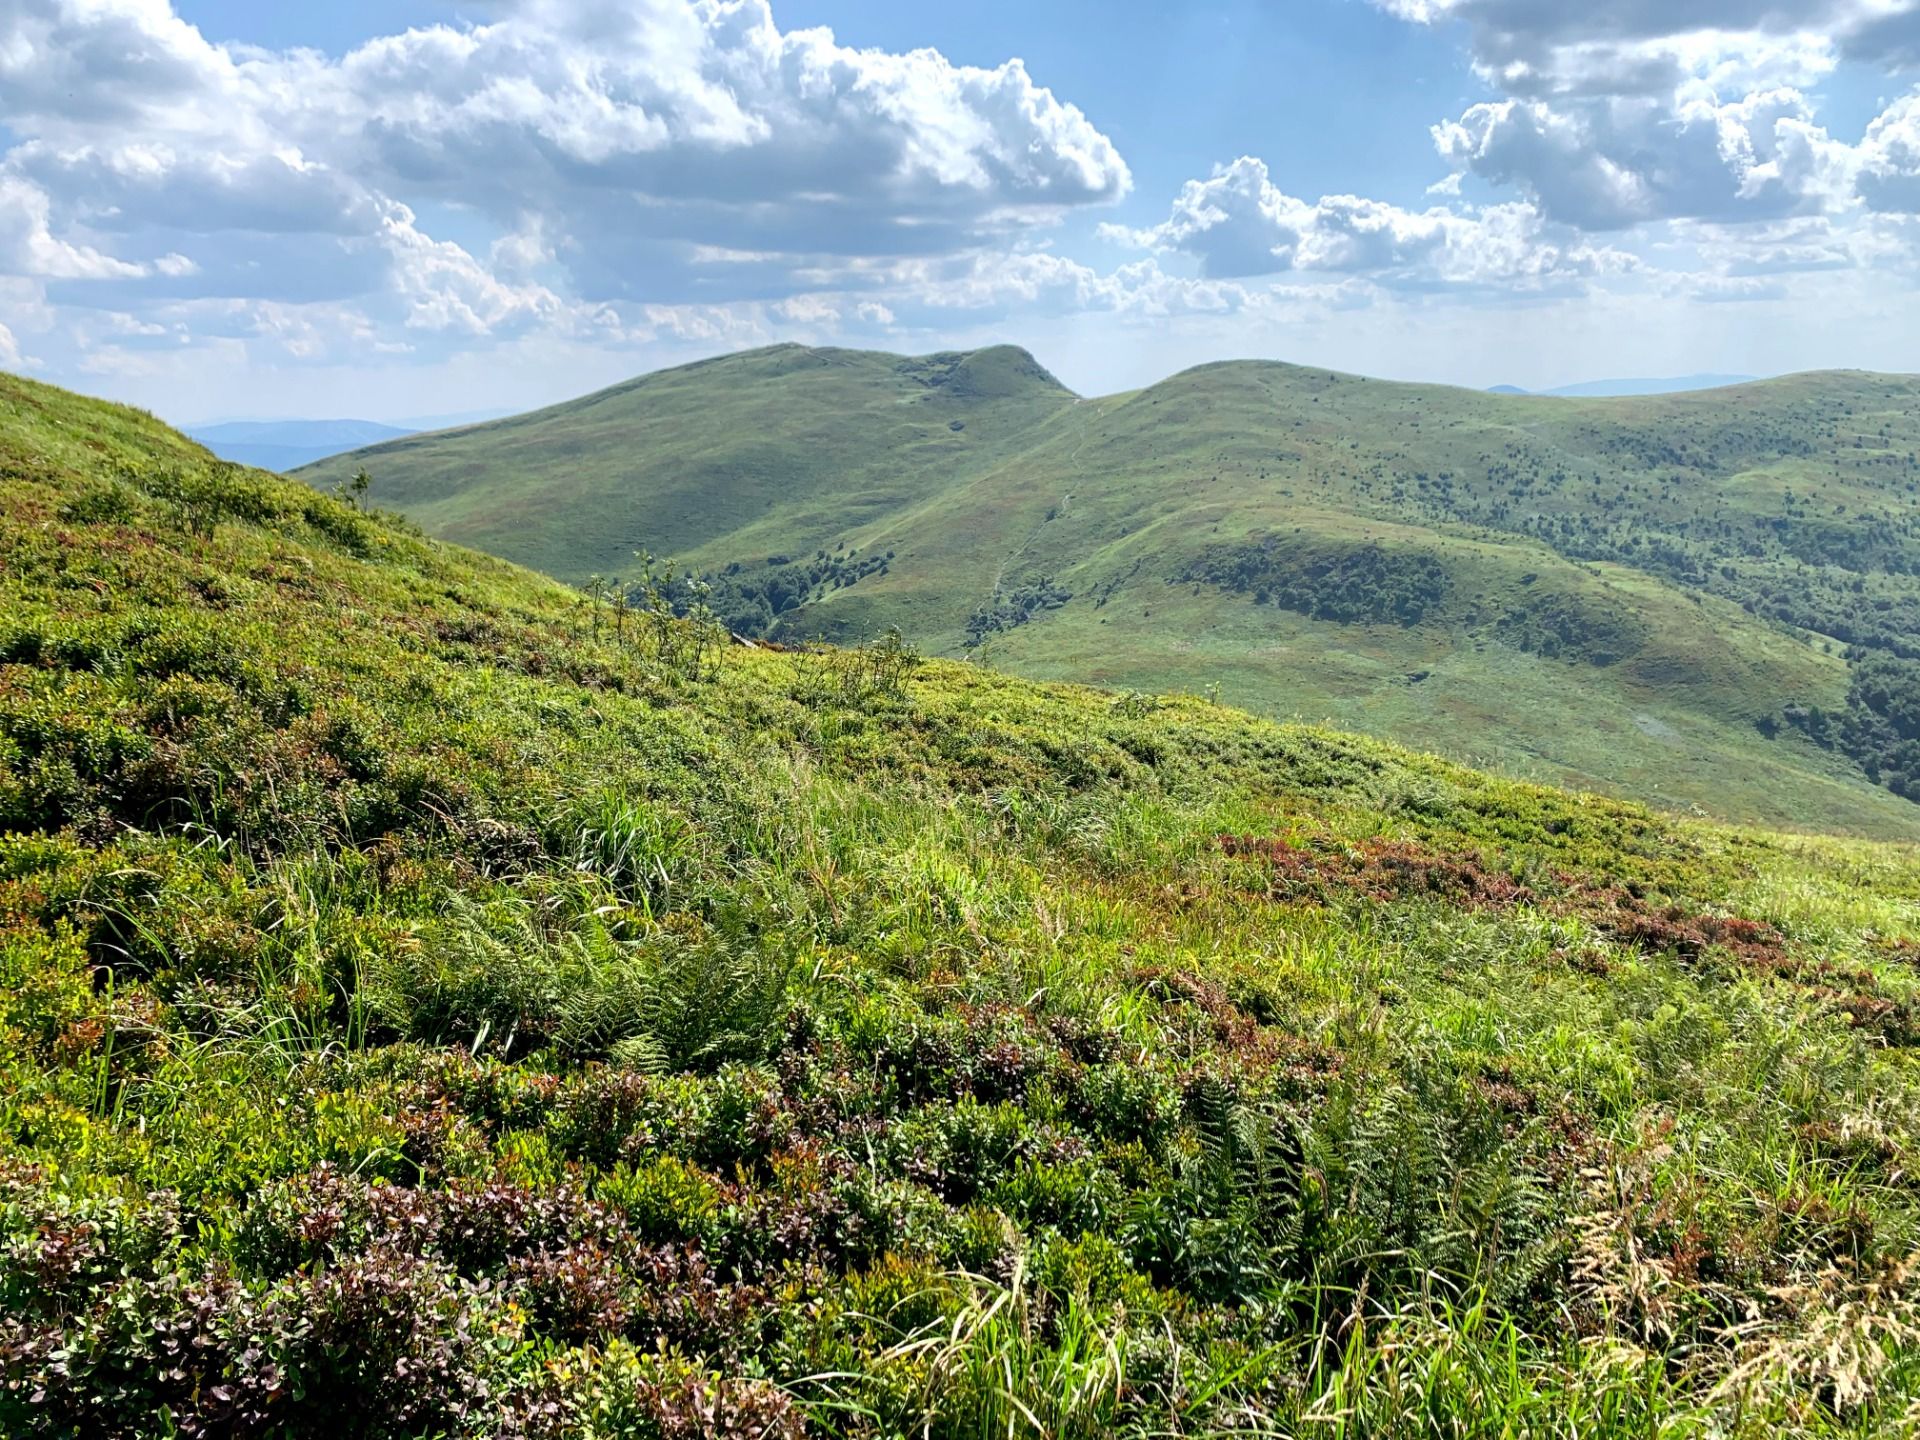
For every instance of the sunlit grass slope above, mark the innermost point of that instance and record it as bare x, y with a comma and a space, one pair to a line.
1652, 596
419, 1016
786, 447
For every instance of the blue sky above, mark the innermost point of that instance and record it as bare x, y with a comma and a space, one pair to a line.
222, 209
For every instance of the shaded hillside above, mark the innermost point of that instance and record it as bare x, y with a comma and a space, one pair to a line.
428, 1009
1657, 596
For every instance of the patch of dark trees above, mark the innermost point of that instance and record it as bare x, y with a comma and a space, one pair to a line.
752, 597
1363, 584
1571, 627
1016, 608
1879, 729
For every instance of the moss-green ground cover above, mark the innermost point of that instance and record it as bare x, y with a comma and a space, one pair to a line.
420, 1017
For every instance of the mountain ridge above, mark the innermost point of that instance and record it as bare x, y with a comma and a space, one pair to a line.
281, 445
1652, 595
1598, 389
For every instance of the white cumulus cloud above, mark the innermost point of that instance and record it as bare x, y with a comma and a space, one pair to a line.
1638, 116
635, 130
1633, 160
666, 153
1889, 169
1238, 223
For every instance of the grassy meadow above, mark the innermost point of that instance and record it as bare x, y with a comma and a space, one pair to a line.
433, 1005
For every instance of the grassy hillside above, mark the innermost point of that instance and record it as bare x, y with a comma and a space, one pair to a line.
1655, 596
422, 1017
786, 447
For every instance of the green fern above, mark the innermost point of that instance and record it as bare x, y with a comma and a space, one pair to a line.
485, 979
675, 1003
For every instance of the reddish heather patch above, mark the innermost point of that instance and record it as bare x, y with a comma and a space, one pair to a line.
1259, 1048
1378, 869
1895, 1021
1567, 1135
1406, 869
1502, 1091
1688, 933
1387, 870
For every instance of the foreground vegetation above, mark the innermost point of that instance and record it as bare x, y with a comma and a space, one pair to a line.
1702, 600
422, 1015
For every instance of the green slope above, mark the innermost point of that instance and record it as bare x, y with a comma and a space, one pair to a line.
422, 1016
1653, 596
782, 447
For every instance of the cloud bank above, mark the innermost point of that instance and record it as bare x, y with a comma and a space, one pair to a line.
617, 158
650, 178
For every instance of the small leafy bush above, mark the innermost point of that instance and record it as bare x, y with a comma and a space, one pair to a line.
105, 502
624, 1393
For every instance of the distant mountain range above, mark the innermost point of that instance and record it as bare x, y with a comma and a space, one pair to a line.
1596, 389
1652, 595
289, 444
